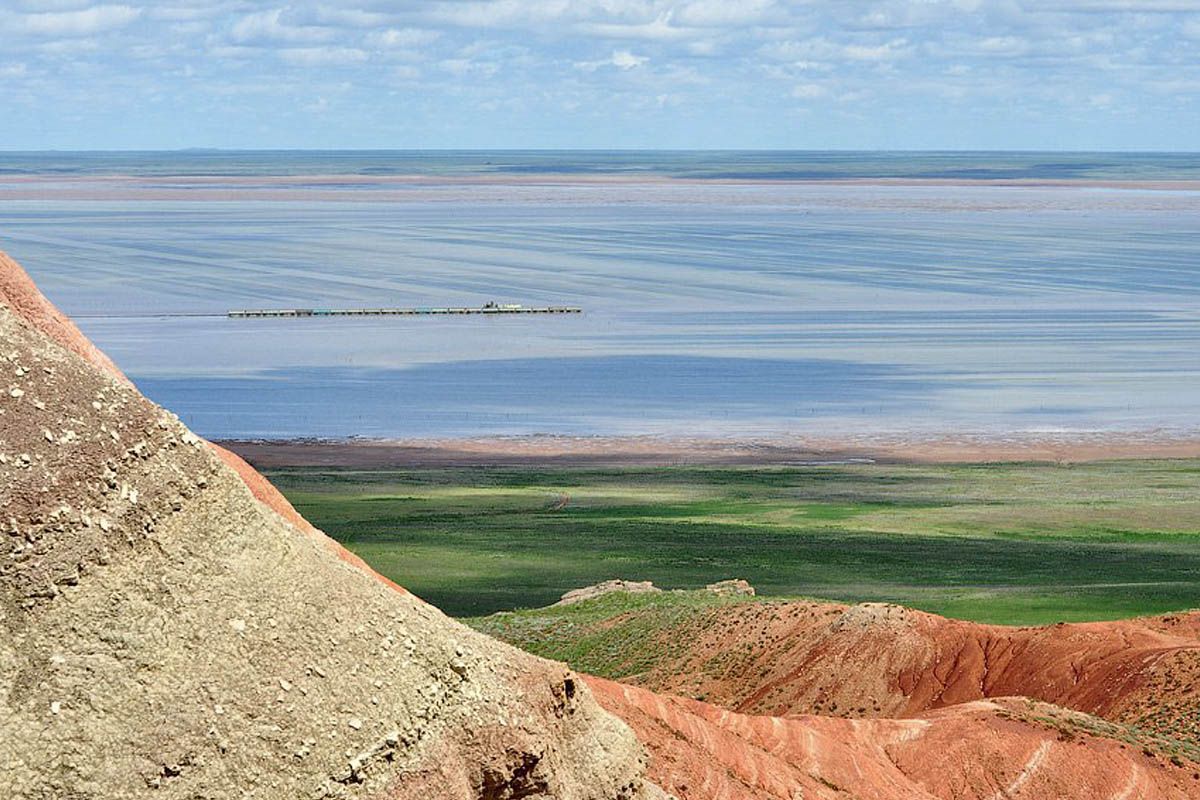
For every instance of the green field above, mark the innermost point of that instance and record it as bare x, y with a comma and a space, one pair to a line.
1012, 543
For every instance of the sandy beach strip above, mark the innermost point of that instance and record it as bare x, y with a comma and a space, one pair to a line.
587, 451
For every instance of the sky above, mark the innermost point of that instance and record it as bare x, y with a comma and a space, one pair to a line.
777, 74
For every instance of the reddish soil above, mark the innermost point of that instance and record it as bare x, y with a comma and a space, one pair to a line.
875, 660
985, 749
18, 291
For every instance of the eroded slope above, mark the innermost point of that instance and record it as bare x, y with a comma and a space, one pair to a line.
162, 632
873, 660
984, 750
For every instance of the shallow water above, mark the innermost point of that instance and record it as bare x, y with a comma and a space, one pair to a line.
710, 307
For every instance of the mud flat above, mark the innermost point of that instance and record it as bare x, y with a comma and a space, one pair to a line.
596, 451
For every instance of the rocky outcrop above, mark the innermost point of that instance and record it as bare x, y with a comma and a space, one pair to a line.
171, 628
734, 587
607, 587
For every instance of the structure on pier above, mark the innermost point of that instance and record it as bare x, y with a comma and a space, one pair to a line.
490, 308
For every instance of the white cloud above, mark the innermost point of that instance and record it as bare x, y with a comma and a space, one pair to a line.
1066, 55
322, 56
187, 13
809, 91
498, 13
1001, 46
1118, 6
722, 13
403, 38
270, 26
82, 22
621, 59
462, 67
887, 51
661, 29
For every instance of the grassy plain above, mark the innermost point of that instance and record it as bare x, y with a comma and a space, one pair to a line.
615, 635
1010, 543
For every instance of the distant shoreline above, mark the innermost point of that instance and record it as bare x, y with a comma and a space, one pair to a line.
335, 180
618, 451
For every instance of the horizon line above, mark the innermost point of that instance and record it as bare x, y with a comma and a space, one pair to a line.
202, 150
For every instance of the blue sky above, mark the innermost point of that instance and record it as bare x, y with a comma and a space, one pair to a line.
871, 74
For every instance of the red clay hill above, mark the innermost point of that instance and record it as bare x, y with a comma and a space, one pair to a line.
170, 627
879, 660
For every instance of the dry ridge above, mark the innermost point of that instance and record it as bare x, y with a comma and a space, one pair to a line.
879, 660
930, 707
166, 634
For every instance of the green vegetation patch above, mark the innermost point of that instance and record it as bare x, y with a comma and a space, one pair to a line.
615, 635
1006, 543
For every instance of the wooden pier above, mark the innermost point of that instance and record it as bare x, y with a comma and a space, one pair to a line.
242, 313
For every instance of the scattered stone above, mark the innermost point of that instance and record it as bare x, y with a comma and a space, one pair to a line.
735, 587
355, 723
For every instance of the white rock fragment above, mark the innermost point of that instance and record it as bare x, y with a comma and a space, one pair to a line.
16, 392
355, 723
238, 625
